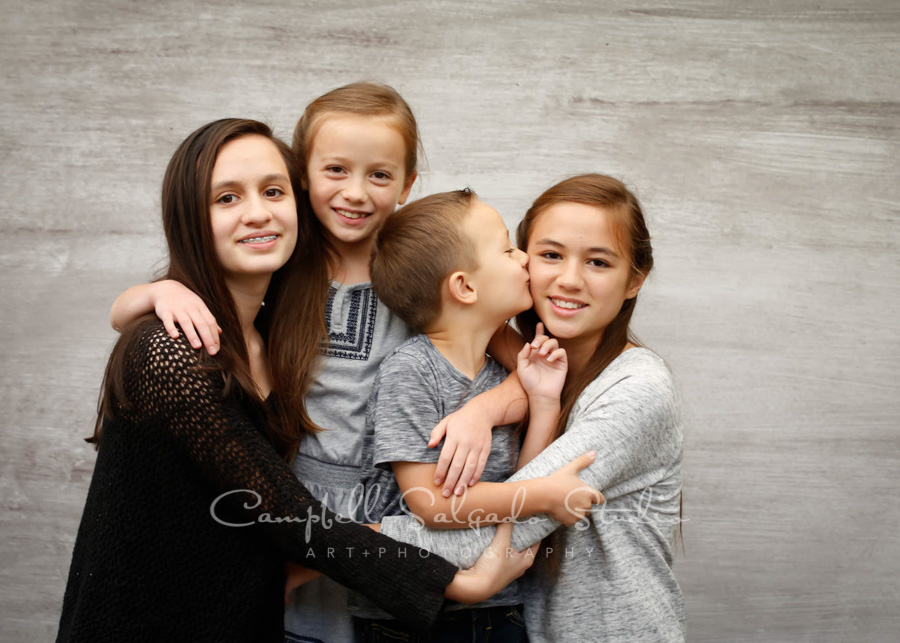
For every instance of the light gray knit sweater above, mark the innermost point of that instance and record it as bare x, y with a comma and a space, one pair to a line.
616, 581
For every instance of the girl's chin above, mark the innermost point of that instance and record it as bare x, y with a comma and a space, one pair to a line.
560, 333
558, 328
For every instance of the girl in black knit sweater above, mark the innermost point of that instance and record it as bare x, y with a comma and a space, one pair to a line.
193, 509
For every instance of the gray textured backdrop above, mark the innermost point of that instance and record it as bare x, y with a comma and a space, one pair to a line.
762, 137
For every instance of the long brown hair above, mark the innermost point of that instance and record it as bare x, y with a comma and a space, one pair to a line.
302, 332
627, 218
633, 239
193, 262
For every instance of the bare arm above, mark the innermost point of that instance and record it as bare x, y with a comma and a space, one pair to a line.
131, 304
562, 494
174, 304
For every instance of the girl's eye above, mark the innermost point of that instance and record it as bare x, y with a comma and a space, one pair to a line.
599, 263
334, 169
381, 176
274, 192
510, 251
550, 255
226, 199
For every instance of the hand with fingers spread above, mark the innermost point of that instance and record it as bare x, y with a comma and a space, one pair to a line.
542, 367
467, 445
569, 499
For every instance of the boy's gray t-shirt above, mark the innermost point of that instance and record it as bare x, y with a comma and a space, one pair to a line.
416, 387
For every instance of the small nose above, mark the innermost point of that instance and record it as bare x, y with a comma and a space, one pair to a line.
354, 190
570, 277
257, 211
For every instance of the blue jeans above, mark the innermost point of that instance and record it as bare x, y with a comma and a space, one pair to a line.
503, 624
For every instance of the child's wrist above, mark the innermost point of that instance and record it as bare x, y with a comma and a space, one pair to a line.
481, 405
545, 406
157, 290
541, 501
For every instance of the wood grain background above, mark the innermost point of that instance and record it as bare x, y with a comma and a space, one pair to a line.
762, 137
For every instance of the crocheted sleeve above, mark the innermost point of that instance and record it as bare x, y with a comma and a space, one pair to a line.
233, 455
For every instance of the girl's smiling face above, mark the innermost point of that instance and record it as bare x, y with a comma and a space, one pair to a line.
252, 210
356, 176
580, 274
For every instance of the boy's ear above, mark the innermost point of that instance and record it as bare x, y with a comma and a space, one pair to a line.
406, 188
461, 288
637, 280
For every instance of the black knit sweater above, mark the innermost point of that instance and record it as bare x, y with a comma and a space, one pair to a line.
152, 562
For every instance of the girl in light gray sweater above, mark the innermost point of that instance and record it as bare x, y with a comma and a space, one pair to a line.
609, 577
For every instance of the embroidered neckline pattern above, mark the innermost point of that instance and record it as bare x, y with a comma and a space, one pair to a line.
356, 340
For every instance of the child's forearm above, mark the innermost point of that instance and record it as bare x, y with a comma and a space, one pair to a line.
131, 304
504, 404
486, 503
543, 416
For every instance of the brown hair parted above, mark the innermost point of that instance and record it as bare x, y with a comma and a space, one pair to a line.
631, 233
418, 247
194, 263
359, 99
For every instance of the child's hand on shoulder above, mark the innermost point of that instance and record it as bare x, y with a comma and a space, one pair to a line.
175, 303
542, 367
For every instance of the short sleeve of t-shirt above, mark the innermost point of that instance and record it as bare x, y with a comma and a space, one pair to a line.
405, 409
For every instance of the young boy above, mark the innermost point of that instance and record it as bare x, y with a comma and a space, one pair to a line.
445, 265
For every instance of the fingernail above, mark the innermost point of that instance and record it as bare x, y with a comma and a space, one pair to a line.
460, 489
592, 454
445, 493
437, 482
472, 483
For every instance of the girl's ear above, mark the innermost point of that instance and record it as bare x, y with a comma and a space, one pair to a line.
461, 288
637, 280
406, 188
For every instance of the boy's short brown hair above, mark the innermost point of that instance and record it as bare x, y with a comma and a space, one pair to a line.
418, 247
